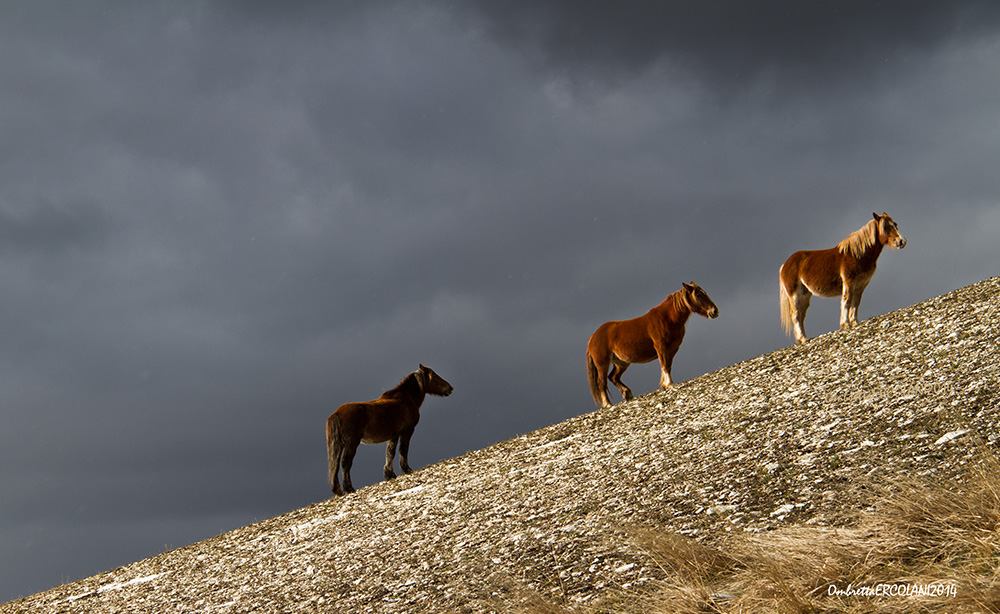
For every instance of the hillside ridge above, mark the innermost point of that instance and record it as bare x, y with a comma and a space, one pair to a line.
804, 434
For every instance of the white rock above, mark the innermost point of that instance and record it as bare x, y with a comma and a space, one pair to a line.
784, 510
951, 436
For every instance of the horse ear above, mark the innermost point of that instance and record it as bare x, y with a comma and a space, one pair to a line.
875, 215
686, 286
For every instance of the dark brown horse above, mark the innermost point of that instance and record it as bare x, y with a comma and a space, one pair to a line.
658, 334
844, 270
391, 417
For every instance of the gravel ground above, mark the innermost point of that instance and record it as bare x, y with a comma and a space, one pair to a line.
804, 435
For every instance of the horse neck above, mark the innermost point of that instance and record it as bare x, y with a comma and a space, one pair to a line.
674, 308
410, 388
871, 253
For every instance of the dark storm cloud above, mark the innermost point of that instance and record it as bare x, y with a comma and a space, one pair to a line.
732, 41
47, 227
220, 221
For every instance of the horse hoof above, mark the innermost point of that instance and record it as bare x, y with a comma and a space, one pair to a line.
390, 476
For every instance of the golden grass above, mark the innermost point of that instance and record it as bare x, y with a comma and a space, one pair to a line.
920, 534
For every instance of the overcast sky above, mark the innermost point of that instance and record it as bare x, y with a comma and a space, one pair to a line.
221, 220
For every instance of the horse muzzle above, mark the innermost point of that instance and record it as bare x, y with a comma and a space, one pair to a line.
900, 243
712, 314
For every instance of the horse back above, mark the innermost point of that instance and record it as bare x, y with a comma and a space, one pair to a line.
630, 340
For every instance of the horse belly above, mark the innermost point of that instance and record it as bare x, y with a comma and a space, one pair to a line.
387, 420
636, 351
819, 272
381, 428
371, 422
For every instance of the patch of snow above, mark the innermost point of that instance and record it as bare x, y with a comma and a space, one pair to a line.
115, 586
408, 491
559, 441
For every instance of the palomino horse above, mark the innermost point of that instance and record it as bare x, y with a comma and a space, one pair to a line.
391, 417
844, 270
658, 334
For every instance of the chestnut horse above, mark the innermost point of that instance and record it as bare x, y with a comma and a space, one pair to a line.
844, 270
391, 417
658, 334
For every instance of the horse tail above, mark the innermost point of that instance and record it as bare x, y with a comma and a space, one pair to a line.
334, 447
594, 376
786, 304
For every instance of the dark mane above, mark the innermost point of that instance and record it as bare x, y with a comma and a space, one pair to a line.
408, 386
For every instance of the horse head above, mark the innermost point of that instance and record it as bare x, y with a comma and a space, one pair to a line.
888, 231
434, 383
697, 299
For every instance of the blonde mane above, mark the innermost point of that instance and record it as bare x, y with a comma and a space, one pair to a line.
859, 241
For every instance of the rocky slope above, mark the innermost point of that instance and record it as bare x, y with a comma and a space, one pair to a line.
801, 435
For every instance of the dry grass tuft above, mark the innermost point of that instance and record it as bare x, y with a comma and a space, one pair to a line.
920, 534
949, 531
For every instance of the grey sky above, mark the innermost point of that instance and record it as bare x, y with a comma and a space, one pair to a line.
219, 221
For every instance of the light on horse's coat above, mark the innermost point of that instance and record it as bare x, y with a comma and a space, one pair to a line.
844, 270
657, 334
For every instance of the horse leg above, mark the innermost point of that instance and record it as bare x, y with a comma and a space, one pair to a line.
617, 370
846, 301
666, 363
853, 313
404, 451
800, 304
345, 465
853, 302
335, 487
390, 454
338, 463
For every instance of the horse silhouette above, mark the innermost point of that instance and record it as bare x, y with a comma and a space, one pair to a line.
390, 418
